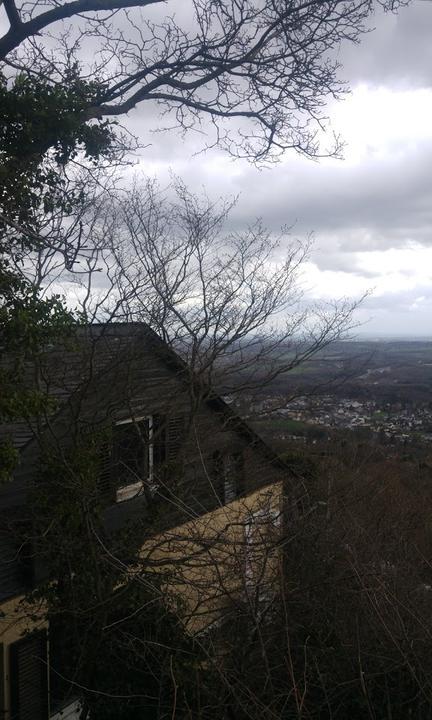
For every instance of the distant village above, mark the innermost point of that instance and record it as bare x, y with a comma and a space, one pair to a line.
398, 423
384, 390
391, 421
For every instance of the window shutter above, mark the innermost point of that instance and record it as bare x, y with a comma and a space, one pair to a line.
2, 683
62, 692
104, 483
239, 470
217, 474
230, 488
159, 440
227, 473
28, 678
176, 427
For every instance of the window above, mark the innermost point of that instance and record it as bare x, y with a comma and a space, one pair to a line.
249, 531
132, 456
261, 531
138, 455
139, 450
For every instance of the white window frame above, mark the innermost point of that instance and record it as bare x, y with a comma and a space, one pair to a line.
271, 516
127, 492
71, 711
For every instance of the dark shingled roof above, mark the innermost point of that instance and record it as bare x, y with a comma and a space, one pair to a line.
95, 348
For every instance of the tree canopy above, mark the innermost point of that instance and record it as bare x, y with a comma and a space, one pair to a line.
260, 73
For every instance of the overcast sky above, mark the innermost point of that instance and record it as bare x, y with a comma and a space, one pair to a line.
370, 213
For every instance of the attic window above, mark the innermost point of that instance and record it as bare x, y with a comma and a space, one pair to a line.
136, 458
132, 456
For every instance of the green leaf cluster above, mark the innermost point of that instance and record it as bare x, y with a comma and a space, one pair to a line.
37, 114
44, 125
29, 324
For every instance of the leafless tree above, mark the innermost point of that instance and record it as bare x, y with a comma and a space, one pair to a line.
230, 303
259, 72
349, 627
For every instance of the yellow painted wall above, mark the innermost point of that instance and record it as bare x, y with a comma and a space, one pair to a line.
214, 559
209, 561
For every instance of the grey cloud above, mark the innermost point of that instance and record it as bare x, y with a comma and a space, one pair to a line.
408, 312
398, 52
401, 302
374, 206
328, 258
349, 209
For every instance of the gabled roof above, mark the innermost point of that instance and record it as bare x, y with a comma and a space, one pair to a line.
96, 348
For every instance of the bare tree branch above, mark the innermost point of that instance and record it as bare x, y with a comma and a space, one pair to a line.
20, 31
12, 13
230, 304
269, 67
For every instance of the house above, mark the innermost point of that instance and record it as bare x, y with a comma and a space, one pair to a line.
129, 432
